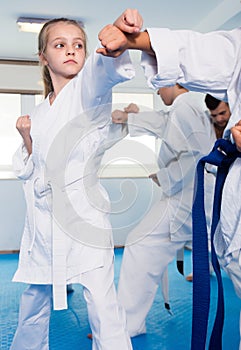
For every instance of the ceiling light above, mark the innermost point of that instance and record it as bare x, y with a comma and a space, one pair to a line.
32, 25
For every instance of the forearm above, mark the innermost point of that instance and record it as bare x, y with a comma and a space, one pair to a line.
139, 41
23, 126
28, 145
150, 123
114, 42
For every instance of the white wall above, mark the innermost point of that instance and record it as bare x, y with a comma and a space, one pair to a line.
130, 197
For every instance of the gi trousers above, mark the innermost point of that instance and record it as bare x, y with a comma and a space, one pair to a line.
143, 264
107, 318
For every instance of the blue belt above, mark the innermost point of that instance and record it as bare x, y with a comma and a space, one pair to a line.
222, 155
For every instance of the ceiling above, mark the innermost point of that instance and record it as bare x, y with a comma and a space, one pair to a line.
205, 15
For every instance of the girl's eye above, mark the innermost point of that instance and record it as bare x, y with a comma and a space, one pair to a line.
58, 46
78, 46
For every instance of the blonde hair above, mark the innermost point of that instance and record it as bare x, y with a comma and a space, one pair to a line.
42, 44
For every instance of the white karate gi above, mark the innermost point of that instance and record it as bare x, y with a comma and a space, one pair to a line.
187, 135
209, 62
67, 236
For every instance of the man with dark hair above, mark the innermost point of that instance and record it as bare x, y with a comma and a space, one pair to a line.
219, 112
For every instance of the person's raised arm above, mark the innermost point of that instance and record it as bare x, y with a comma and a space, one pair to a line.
115, 42
123, 35
130, 21
121, 117
23, 126
132, 108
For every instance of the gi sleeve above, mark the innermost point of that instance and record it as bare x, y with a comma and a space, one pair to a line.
100, 75
150, 123
23, 165
116, 133
202, 62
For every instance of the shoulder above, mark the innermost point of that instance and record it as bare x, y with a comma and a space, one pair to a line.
192, 102
189, 112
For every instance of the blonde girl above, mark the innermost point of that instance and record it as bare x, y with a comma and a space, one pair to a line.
73, 243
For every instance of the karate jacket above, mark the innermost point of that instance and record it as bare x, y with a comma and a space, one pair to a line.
186, 134
67, 230
210, 63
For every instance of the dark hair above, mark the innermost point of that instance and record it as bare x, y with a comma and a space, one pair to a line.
42, 43
211, 102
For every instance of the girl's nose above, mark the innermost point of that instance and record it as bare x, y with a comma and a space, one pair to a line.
70, 51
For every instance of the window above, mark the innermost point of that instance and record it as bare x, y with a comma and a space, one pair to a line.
9, 136
12, 105
20, 81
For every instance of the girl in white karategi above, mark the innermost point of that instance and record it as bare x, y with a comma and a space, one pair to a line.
207, 62
67, 236
186, 134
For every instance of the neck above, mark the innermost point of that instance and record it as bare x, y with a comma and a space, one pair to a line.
52, 97
219, 132
58, 84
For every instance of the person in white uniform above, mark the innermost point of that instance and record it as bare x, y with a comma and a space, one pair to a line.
219, 114
190, 59
67, 236
186, 134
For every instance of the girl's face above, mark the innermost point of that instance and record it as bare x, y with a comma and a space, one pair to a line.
65, 51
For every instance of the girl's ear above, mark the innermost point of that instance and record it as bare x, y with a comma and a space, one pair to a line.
42, 59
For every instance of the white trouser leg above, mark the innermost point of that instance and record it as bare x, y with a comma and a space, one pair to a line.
107, 318
34, 314
143, 264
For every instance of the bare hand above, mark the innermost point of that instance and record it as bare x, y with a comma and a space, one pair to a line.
132, 108
236, 132
23, 126
119, 117
155, 179
130, 21
112, 39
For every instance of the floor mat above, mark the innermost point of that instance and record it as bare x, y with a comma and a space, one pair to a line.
69, 328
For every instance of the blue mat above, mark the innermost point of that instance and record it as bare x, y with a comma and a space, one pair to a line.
69, 328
